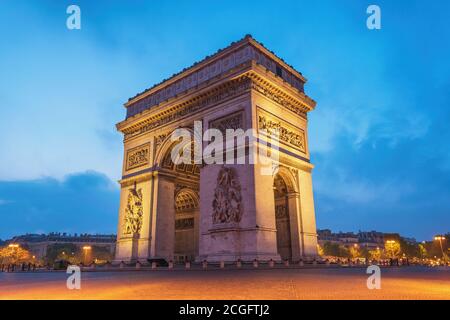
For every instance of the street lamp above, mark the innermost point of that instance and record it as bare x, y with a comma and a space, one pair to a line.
440, 238
13, 245
86, 250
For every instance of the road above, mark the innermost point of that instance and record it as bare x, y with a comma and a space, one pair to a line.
307, 283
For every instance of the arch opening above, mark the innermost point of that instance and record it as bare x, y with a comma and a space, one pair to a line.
186, 225
282, 218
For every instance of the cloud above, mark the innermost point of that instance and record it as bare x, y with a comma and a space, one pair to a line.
80, 202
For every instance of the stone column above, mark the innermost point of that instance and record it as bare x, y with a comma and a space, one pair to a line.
308, 231
164, 239
131, 247
145, 239
294, 219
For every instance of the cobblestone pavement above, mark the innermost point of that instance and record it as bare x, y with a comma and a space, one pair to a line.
308, 283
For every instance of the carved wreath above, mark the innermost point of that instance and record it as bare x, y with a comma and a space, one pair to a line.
133, 212
227, 205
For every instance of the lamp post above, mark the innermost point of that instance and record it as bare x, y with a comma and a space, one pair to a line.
86, 251
440, 238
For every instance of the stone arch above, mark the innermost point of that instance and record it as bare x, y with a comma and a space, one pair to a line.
288, 178
186, 231
186, 199
287, 214
164, 159
166, 146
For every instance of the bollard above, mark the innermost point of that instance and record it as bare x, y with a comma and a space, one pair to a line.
170, 264
255, 263
222, 264
205, 265
188, 265
271, 263
154, 265
286, 263
239, 264
314, 262
327, 262
138, 265
121, 265
301, 263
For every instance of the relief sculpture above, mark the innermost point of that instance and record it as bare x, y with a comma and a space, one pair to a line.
227, 206
133, 212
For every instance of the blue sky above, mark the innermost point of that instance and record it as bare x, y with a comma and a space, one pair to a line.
379, 137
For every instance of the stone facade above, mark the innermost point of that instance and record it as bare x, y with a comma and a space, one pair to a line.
218, 212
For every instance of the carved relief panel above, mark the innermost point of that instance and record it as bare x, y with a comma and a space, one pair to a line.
227, 203
138, 157
133, 212
233, 121
270, 125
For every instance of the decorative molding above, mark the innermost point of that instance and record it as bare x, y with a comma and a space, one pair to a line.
227, 206
159, 139
271, 125
138, 157
232, 121
133, 212
226, 91
269, 93
244, 51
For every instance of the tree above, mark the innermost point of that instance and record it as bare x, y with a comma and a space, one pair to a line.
14, 255
354, 252
375, 254
63, 251
101, 254
320, 251
392, 249
423, 253
331, 249
344, 252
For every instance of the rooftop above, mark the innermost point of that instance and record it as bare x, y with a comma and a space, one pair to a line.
205, 69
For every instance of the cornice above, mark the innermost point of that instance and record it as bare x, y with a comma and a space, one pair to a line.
250, 77
201, 71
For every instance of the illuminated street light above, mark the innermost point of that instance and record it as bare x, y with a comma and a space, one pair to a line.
13, 245
440, 238
87, 250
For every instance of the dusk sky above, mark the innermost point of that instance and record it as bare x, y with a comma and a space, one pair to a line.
379, 136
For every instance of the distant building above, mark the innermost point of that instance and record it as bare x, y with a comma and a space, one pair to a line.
38, 244
366, 239
371, 239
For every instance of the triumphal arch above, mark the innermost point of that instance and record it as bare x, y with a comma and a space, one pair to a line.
200, 209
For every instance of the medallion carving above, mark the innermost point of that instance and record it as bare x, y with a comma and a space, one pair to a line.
227, 203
